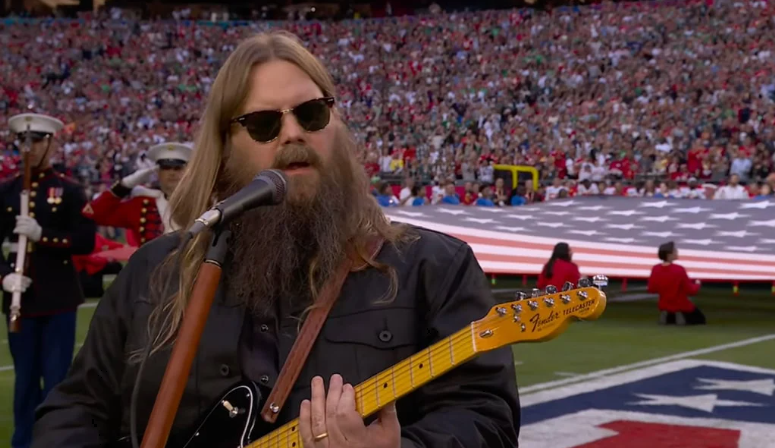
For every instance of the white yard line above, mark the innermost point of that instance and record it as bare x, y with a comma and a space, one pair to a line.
567, 374
648, 362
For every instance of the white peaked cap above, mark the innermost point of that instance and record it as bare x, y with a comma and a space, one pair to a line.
170, 151
36, 122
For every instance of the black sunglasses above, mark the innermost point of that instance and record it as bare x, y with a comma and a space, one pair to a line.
264, 126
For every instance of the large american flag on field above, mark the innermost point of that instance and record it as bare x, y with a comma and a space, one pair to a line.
618, 237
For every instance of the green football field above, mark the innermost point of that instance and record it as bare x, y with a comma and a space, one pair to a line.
627, 333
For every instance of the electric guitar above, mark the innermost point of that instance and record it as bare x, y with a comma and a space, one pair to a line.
541, 317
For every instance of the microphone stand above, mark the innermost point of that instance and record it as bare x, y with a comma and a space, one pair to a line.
185, 346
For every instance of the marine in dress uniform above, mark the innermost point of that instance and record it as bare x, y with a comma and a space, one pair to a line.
143, 211
43, 349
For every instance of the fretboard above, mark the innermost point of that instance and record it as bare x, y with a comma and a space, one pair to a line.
391, 384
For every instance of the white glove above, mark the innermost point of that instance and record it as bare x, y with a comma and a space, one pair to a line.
138, 177
28, 226
16, 282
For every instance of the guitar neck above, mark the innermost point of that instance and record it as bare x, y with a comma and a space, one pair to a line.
391, 384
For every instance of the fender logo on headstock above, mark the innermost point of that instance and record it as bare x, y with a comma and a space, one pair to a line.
539, 323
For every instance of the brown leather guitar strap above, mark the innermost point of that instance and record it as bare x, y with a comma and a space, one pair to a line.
307, 336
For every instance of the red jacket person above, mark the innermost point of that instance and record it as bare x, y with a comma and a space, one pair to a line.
142, 210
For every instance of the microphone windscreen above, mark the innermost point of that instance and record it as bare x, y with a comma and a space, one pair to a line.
277, 179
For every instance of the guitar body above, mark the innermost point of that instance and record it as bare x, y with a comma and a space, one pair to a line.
229, 424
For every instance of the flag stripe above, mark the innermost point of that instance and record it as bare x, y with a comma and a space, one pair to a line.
511, 254
472, 236
619, 238
498, 267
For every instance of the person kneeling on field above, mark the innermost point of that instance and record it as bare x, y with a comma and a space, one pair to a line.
674, 287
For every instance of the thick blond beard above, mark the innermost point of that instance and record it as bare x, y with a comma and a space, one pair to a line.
275, 249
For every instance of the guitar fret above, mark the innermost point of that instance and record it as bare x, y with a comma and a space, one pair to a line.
451, 352
402, 378
411, 371
376, 390
430, 361
359, 393
393, 380
440, 358
385, 393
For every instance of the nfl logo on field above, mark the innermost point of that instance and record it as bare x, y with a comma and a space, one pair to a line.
681, 404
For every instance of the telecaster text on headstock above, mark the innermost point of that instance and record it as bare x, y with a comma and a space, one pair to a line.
579, 307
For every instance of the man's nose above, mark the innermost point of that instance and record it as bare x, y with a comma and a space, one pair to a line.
291, 131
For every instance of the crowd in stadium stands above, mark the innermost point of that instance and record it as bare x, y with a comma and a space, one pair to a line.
670, 99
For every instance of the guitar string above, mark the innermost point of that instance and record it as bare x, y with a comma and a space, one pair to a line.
289, 430
498, 323
286, 433
369, 387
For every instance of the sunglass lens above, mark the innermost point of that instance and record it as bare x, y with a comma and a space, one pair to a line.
263, 126
313, 115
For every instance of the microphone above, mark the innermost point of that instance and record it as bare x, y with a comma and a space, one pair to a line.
267, 188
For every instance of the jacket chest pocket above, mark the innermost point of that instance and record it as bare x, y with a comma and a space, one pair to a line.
362, 344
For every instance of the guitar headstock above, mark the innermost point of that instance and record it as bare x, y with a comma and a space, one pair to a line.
541, 316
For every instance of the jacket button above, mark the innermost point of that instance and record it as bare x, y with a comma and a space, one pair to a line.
385, 336
264, 328
264, 379
224, 370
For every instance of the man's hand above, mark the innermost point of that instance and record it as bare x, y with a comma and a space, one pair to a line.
332, 421
29, 227
16, 282
138, 177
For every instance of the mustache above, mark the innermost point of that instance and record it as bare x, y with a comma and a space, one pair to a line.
296, 153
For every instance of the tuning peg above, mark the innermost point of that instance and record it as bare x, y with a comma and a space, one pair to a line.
584, 282
601, 281
520, 295
536, 292
551, 289
568, 286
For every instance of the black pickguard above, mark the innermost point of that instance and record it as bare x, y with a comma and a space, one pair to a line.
230, 423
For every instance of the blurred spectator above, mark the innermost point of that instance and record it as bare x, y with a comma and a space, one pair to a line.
385, 196
579, 93
733, 190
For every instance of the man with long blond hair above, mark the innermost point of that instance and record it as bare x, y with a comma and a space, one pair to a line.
273, 106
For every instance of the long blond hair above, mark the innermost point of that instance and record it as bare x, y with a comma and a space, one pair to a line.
196, 191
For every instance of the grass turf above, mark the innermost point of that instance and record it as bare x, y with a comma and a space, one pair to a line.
626, 333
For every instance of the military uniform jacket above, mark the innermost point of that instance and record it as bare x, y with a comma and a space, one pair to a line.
55, 203
441, 290
141, 210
